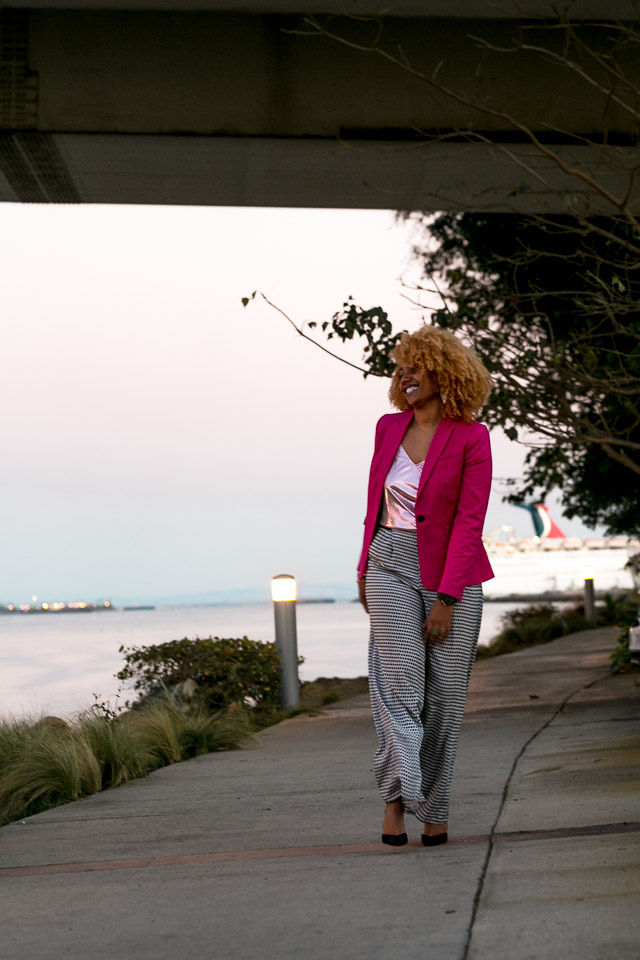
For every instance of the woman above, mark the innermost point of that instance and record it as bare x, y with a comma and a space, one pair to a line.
420, 573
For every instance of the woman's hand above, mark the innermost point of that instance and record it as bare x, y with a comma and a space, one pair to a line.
437, 626
362, 594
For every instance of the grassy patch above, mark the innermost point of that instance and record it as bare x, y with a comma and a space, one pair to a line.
49, 762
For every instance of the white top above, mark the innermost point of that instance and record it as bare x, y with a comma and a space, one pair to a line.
400, 492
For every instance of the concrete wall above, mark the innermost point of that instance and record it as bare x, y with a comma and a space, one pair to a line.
244, 75
222, 107
481, 9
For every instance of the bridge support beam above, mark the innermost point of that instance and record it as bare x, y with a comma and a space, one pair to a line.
115, 106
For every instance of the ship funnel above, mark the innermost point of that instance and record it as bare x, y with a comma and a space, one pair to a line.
543, 524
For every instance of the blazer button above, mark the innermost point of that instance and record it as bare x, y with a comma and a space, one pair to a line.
420, 518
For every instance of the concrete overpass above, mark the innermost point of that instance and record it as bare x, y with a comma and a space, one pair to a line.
231, 102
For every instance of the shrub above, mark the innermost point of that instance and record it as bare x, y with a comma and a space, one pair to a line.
323, 691
332, 697
621, 656
620, 611
226, 670
535, 624
539, 623
626, 615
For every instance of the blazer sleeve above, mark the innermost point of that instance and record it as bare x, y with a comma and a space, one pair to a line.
465, 540
371, 505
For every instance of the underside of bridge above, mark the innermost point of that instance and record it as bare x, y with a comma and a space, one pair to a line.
445, 104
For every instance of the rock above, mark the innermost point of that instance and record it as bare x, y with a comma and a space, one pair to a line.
183, 692
54, 723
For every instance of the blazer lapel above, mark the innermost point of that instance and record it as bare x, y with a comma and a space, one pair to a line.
439, 442
393, 439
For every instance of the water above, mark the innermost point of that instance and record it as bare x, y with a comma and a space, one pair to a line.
54, 663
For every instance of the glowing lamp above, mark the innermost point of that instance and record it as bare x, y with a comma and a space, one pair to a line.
283, 594
283, 588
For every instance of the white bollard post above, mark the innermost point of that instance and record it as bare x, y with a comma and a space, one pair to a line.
283, 594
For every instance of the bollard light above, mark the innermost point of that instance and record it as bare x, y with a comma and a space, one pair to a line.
283, 594
589, 597
283, 588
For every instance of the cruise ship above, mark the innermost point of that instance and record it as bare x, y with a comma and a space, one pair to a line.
551, 565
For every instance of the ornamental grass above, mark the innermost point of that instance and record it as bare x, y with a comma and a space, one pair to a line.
48, 762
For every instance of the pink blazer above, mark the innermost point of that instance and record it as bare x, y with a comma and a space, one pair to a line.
451, 502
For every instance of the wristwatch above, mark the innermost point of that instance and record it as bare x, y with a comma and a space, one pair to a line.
447, 600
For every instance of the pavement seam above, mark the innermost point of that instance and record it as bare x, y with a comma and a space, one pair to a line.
325, 850
229, 856
503, 799
321, 850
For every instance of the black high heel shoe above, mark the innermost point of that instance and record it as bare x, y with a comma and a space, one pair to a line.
395, 839
435, 840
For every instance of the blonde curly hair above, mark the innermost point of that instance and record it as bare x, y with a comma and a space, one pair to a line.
463, 380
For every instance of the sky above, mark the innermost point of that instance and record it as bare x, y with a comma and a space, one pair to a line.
159, 439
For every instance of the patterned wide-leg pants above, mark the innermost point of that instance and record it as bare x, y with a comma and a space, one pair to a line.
418, 691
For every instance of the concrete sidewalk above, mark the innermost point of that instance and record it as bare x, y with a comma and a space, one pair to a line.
272, 852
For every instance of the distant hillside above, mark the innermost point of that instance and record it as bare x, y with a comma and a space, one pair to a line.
306, 591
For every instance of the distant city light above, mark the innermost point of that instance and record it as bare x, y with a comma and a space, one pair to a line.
46, 606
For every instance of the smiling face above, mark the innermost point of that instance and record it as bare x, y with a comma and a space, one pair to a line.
417, 386
439, 365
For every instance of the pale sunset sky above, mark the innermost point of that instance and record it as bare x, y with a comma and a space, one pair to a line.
160, 439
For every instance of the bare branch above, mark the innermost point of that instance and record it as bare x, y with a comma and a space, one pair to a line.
301, 332
565, 61
572, 172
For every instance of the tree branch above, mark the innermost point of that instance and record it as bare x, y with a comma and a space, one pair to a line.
305, 336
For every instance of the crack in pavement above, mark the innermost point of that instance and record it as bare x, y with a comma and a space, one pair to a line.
493, 834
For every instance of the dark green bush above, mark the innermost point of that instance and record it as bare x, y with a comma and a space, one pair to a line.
572, 620
622, 611
621, 656
226, 670
537, 623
